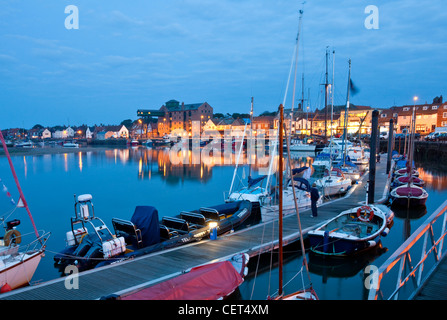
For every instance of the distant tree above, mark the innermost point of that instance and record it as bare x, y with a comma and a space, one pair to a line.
268, 113
218, 115
38, 126
127, 123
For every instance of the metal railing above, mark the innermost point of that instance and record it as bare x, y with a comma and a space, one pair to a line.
424, 236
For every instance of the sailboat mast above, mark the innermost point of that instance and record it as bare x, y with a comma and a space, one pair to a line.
332, 94
345, 133
296, 67
25, 204
251, 139
326, 85
280, 168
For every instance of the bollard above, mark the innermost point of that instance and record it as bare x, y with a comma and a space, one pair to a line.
390, 146
372, 156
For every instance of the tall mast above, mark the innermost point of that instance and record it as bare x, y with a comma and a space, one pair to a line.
296, 67
280, 168
326, 85
16, 179
345, 133
250, 145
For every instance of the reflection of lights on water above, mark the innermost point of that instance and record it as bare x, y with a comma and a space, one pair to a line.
436, 182
140, 166
25, 167
80, 161
66, 162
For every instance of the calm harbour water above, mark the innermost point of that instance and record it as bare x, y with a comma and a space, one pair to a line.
120, 179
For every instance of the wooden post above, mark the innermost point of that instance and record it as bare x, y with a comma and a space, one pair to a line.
372, 156
390, 144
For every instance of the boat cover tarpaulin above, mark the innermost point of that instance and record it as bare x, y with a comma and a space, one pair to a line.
298, 170
208, 282
301, 184
252, 182
145, 218
409, 191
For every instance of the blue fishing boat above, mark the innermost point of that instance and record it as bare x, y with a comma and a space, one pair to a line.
352, 231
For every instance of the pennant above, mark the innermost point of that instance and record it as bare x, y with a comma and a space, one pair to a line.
353, 88
20, 204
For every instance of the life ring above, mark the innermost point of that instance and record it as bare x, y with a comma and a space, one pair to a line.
365, 213
12, 236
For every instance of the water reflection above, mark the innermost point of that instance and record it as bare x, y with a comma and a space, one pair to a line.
434, 178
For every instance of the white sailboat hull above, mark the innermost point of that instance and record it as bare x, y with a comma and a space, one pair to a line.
302, 147
269, 212
17, 270
333, 187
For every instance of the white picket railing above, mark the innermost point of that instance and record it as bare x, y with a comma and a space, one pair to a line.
407, 269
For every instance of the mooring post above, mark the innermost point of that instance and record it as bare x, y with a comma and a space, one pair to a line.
372, 156
390, 146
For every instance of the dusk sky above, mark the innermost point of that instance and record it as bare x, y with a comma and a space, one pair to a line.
128, 55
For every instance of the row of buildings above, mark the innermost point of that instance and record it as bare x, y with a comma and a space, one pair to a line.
58, 132
175, 115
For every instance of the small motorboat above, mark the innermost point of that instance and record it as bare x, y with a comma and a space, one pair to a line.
70, 145
148, 143
299, 145
349, 169
409, 195
406, 171
352, 231
90, 243
212, 281
322, 161
24, 144
333, 182
403, 180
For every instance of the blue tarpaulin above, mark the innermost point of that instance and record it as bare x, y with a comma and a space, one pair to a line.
145, 218
252, 182
301, 184
298, 170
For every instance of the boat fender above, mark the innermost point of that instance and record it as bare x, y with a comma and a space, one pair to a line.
12, 236
371, 243
385, 232
365, 213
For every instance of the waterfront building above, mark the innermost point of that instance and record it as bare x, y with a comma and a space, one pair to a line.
442, 116
181, 116
46, 134
358, 120
107, 132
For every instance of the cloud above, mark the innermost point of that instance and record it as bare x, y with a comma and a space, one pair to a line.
118, 18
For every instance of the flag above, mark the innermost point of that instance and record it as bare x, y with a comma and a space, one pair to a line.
354, 90
20, 204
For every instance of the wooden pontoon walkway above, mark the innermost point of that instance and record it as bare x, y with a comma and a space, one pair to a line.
153, 268
436, 286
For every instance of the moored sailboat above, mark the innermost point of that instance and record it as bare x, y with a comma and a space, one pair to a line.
17, 266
